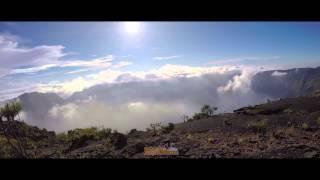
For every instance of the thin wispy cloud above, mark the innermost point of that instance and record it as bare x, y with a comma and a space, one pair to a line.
122, 64
102, 62
165, 57
240, 59
126, 56
79, 71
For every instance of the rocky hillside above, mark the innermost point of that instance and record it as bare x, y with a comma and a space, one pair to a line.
287, 128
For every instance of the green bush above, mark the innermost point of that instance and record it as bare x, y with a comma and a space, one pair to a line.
78, 137
104, 133
63, 137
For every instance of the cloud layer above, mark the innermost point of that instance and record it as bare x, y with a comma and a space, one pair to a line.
126, 100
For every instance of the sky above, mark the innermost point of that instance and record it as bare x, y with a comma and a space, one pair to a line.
68, 57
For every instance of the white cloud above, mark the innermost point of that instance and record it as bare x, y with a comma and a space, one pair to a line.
241, 59
79, 71
39, 58
123, 99
122, 64
103, 62
111, 76
13, 56
166, 57
240, 83
33, 69
121, 117
277, 73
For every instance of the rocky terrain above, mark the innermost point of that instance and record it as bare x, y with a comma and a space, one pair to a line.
286, 128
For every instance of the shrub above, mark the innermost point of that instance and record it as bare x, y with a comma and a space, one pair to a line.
167, 129
156, 127
198, 116
104, 133
208, 110
305, 126
63, 137
13, 131
258, 126
79, 137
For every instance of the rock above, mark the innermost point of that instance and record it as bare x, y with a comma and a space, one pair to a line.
184, 150
189, 136
279, 135
132, 131
253, 141
118, 140
310, 154
316, 135
139, 147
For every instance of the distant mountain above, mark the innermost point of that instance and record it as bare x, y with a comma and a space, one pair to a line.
46, 100
287, 83
36, 105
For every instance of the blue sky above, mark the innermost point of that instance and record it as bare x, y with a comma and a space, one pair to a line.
195, 42
151, 46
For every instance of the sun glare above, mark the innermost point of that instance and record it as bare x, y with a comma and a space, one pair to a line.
132, 27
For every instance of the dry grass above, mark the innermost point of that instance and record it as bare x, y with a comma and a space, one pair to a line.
258, 126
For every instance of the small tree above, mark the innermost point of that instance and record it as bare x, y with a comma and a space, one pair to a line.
12, 130
11, 110
208, 110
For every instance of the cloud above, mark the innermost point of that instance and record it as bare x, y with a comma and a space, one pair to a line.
165, 57
122, 64
13, 56
241, 60
240, 83
79, 71
24, 60
277, 73
121, 100
122, 117
102, 62
33, 69
115, 76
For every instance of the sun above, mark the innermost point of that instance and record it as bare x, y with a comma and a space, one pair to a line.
132, 27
